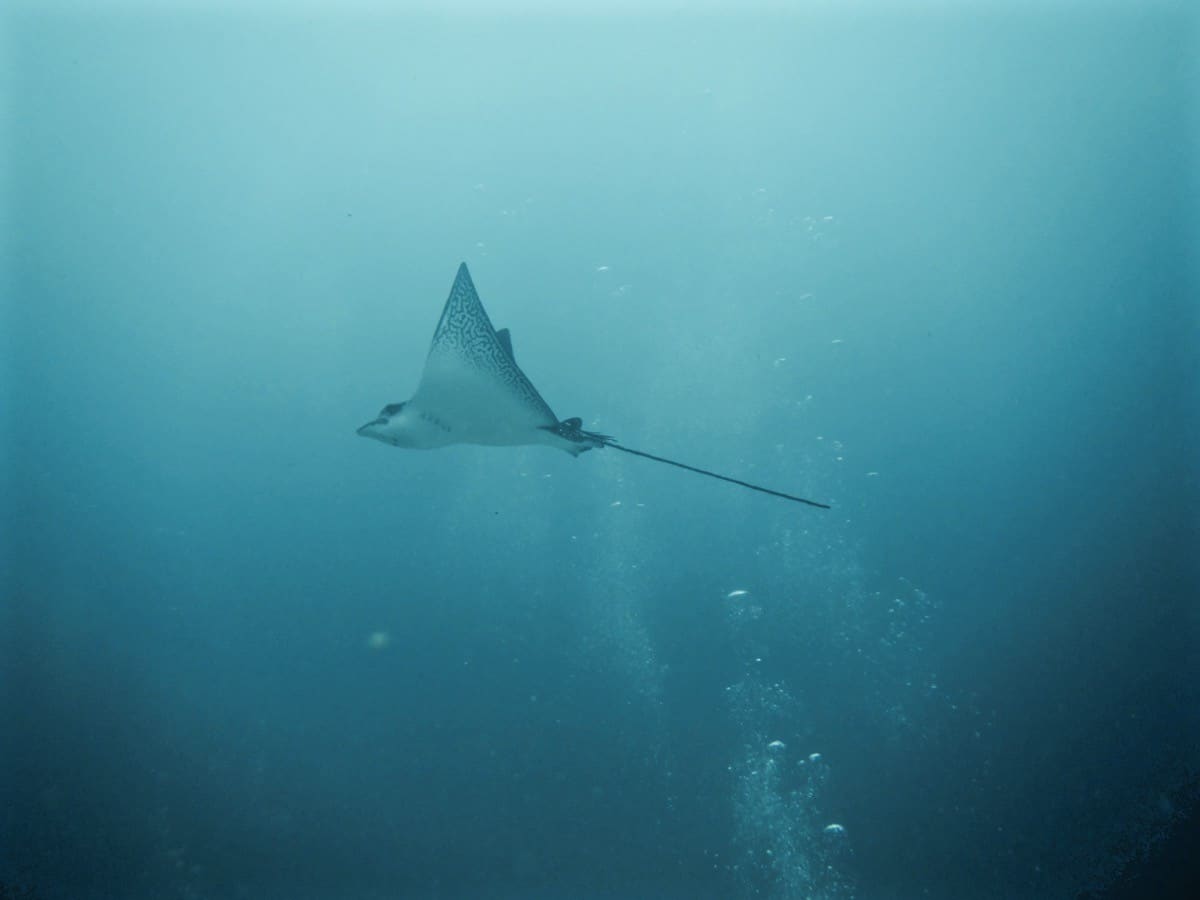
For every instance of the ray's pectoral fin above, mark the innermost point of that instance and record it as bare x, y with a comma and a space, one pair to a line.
572, 430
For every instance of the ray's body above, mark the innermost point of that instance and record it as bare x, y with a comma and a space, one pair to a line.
473, 392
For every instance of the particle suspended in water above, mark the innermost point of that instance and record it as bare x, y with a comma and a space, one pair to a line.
733, 595
833, 829
814, 757
378, 640
777, 746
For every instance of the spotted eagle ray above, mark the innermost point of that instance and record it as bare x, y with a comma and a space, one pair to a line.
473, 392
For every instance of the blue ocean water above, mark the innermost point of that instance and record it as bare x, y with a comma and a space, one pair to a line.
935, 267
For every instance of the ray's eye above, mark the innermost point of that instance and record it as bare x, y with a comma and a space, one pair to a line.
391, 409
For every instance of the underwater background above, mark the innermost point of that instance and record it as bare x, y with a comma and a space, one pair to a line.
934, 265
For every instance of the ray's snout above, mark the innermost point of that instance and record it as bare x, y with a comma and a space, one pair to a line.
369, 429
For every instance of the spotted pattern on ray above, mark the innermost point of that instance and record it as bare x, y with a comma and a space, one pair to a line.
465, 333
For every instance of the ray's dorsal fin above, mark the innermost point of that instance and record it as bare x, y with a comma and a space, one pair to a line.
505, 339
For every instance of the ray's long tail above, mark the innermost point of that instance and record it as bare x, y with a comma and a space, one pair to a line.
612, 442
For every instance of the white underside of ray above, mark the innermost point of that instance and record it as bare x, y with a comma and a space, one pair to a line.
472, 391
475, 408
